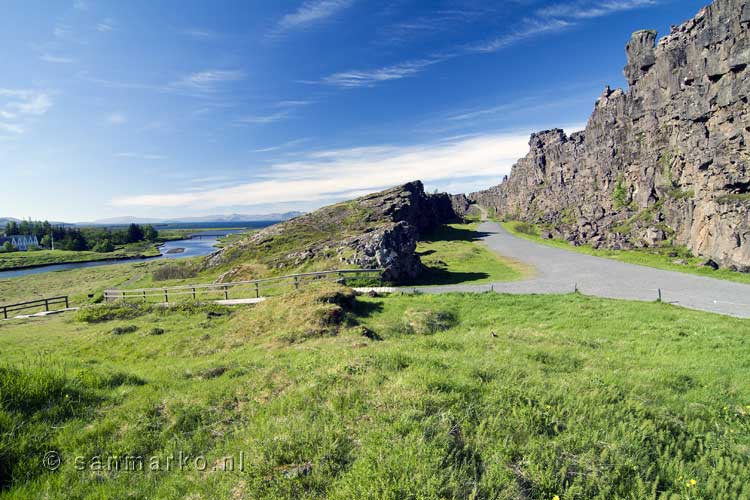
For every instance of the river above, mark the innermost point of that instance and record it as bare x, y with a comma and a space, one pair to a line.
192, 248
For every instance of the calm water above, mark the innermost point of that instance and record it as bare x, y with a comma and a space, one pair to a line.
193, 248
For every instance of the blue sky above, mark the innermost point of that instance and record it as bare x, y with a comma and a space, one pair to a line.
178, 107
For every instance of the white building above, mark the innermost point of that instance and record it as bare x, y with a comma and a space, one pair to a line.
20, 242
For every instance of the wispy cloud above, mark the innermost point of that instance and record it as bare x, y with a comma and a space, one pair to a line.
547, 20
323, 176
441, 21
207, 82
141, 156
587, 9
116, 119
280, 147
281, 110
56, 59
265, 118
311, 12
369, 78
19, 106
62, 31
105, 25
530, 28
199, 33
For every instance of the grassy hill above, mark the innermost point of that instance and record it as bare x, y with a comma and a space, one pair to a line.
320, 395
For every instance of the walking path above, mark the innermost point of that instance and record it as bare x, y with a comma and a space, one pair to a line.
561, 271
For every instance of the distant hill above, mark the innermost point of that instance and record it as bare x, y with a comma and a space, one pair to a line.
206, 218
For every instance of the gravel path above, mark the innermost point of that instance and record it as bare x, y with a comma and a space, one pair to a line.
560, 271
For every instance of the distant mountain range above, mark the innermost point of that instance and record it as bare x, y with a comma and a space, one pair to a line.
208, 218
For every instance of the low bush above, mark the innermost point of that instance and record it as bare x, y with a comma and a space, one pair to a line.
99, 313
526, 228
122, 330
156, 331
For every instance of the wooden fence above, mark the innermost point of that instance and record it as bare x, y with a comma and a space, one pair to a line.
34, 304
240, 289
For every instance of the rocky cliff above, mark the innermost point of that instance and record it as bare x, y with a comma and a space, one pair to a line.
379, 230
665, 161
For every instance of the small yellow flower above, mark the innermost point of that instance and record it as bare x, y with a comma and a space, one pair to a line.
692, 483
556, 497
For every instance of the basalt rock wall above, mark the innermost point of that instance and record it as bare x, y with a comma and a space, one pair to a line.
665, 161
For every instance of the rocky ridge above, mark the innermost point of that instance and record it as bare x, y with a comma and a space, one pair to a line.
664, 162
379, 230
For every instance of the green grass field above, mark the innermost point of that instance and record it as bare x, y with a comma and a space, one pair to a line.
15, 260
462, 396
454, 255
657, 258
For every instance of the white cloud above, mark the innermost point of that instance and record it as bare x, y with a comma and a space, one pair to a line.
116, 119
199, 34
207, 82
19, 106
105, 25
551, 19
62, 31
312, 11
12, 128
263, 119
369, 78
529, 29
280, 147
140, 156
56, 59
587, 9
336, 174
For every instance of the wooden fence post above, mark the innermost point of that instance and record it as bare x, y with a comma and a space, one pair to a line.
226, 293
67, 306
46, 304
257, 290
166, 296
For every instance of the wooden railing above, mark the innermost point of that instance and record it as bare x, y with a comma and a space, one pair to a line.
34, 304
241, 289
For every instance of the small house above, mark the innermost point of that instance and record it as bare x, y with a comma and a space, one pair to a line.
20, 241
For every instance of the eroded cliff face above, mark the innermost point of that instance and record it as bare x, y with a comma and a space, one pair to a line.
666, 160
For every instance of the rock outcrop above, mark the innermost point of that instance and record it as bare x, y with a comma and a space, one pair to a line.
665, 161
379, 230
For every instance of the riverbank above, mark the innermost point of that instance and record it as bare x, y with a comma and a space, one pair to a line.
39, 258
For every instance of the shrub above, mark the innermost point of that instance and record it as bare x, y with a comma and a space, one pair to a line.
526, 228
122, 330
107, 312
620, 194
156, 331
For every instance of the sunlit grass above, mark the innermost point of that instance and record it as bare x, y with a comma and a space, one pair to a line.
465, 396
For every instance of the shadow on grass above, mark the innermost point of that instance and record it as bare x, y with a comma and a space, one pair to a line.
441, 276
447, 233
366, 309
